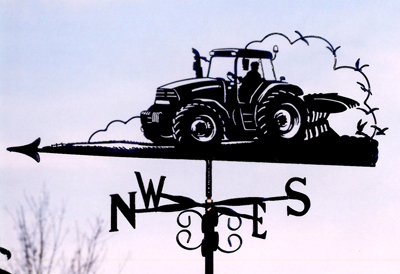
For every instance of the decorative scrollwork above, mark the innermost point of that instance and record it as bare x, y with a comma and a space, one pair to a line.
230, 244
188, 240
234, 229
189, 222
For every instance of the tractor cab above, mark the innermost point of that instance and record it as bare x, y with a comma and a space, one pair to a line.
243, 71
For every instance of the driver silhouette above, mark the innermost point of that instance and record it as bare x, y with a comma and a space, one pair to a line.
249, 83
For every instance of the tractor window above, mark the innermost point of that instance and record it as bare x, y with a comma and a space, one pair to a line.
251, 78
220, 66
264, 68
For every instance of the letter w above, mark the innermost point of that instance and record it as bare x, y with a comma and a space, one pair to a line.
150, 191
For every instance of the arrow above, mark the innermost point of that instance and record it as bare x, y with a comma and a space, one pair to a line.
30, 150
230, 212
341, 152
184, 203
249, 200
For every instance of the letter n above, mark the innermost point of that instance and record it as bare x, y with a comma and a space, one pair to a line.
128, 212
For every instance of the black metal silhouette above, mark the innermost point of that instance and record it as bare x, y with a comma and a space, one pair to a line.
109, 124
345, 150
213, 117
203, 112
219, 118
209, 220
208, 224
7, 253
357, 68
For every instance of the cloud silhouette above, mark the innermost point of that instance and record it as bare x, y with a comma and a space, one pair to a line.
119, 130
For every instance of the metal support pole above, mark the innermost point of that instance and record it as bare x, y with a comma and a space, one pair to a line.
209, 258
210, 264
208, 179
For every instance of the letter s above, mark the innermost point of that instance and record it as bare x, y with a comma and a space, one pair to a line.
292, 194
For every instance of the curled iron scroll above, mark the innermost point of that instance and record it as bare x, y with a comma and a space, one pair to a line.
230, 244
233, 235
234, 229
189, 222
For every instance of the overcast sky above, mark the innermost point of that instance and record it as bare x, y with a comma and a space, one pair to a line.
70, 67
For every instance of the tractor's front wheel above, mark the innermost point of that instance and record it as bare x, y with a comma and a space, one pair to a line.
198, 125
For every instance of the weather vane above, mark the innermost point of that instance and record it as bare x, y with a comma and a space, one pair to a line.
235, 113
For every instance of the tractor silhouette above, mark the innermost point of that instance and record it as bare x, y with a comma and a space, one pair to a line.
235, 103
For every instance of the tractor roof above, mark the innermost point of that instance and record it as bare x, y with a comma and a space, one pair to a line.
246, 53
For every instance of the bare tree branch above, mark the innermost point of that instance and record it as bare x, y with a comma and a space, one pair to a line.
88, 251
41, 233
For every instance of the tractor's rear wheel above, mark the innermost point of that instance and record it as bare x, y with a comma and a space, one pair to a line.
198, 125
281, 116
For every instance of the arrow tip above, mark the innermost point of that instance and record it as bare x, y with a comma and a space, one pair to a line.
30, 150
